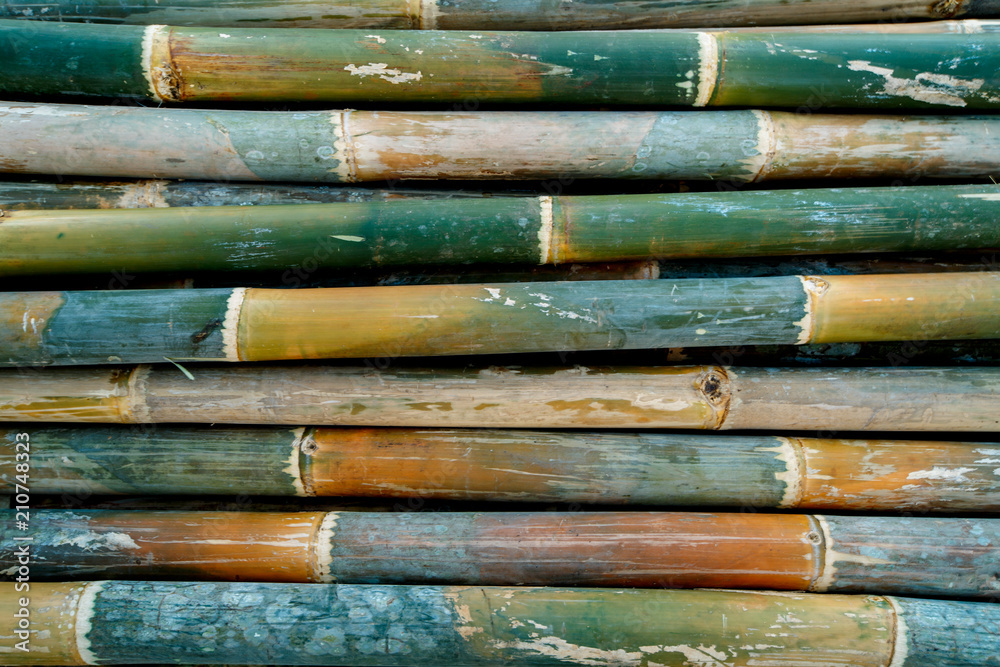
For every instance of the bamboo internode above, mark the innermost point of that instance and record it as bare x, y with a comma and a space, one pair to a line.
112, 622
351, 146
916, 556
176, 64
504, 15
517, 230
692, 397
241, 324
641, 468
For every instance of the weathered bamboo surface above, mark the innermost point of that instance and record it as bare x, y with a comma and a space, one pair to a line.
516, 230
639, 468
177, 64
350, 146
304, 624
251, 324
483, 15
50, 195
857, 554
692, 397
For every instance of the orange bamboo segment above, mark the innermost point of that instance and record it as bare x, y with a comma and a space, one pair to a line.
641, 549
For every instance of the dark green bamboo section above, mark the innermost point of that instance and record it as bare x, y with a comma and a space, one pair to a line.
894, 555
176, 64
516, 230
485, 15
350, 146
508, 465
688, 397
303, 624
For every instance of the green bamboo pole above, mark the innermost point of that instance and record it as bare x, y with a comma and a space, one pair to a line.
692, 397
351, 146
250, 324
305, 624
516, 230
175, 64
483, 15
507, 465
799, 552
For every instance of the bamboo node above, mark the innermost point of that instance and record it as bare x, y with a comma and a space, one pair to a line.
163, 78
947, 9
716, 387
708, 68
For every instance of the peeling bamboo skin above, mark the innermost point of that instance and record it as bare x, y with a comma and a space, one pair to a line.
738, 69
510, 465
306, 624
350, 146
501, 230
45, 195
913, 556
692, 397
480, 15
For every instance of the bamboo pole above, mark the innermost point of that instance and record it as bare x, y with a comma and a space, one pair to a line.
176, 64
351, 146
797, 552
49, 195
692, 397
641, 468
241, 324
481, 15
516, 230
305, 624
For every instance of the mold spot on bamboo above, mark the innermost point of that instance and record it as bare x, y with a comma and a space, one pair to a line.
946, 9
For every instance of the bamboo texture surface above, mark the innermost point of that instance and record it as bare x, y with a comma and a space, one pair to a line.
690, 397
638, 468
506, 15
497, 230
159, 63
348, 146
305, 624
819, 553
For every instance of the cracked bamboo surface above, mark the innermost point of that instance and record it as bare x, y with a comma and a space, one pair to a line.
304, 624
516, 230
352, 146
505, 15
819, 553
692, 397
641, 468
178, 64
256, 324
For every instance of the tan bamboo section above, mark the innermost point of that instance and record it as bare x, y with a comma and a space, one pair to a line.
352, 146
690, 397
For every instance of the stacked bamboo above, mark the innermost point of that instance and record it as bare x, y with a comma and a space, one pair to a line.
650, 314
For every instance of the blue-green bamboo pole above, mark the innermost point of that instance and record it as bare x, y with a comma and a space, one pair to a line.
306, 624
